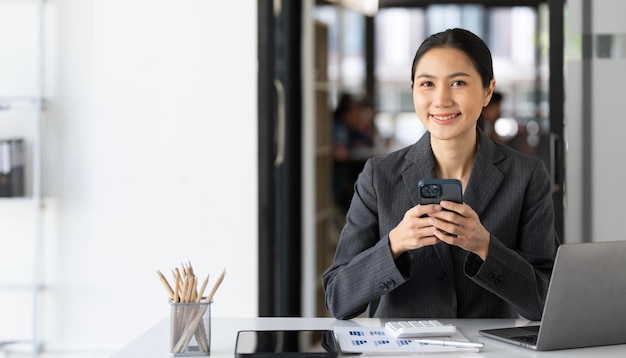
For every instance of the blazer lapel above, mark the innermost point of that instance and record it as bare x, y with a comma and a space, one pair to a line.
485, 177
420, 165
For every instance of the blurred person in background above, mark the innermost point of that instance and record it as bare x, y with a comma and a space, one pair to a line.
353, 142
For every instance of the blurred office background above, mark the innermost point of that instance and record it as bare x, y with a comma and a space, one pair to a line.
157, 133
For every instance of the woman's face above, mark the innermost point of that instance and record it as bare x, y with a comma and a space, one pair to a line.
448, 93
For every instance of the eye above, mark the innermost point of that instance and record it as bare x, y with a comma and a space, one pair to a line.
458, 83
426, 84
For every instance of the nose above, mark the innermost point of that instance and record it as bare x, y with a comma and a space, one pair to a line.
441, 97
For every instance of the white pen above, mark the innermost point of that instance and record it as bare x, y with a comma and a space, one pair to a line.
445, 342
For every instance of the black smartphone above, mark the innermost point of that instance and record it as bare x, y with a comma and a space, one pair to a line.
432, 191
286, 343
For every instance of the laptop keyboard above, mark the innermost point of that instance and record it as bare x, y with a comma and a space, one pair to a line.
529, 338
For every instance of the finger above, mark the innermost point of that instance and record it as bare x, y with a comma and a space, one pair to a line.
425, 210
452, 206
448, 238
445, 226
429, 241
416, 211
442, 236
446, 215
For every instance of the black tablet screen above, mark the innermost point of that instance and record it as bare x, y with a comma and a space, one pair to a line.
286, 343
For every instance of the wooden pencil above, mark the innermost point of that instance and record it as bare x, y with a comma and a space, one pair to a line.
216, 285
166, 284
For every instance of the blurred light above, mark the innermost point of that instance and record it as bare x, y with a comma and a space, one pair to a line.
532, 128
506, 127
366, 7
532, 140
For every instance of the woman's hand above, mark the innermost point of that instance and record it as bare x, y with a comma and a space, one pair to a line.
459, 225
425, 225
414, 231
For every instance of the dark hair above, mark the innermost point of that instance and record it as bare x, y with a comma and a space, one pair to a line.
344, 105
464, 40
496, 97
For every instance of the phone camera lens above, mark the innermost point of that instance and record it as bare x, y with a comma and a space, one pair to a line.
431, 191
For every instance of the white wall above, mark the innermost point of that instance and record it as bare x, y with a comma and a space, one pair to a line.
608, 127
150, 160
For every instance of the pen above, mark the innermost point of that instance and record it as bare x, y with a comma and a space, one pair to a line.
445, 342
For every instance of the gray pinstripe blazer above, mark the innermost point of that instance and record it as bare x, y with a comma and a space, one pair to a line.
510, 191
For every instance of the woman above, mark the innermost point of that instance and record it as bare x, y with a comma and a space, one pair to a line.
394, 258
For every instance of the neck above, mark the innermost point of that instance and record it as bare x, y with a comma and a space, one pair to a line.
455, 158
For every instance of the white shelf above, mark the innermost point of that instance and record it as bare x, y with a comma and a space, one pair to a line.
21, 107
18, 103
20, 286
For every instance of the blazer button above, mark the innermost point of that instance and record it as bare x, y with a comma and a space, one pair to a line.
384, 287
390, 282
496, 278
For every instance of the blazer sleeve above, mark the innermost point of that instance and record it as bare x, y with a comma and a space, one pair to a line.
363, 268
521, 275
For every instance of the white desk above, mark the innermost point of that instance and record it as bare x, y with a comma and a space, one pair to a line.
154, 343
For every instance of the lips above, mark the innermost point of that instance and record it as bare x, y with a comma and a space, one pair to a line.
445, 117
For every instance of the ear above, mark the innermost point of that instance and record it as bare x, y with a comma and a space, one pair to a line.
489, 92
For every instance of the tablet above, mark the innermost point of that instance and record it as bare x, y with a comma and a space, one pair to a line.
286, 343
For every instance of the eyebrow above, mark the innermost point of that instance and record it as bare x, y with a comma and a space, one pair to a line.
452, 75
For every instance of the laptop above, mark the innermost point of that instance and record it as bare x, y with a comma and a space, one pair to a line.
586, 302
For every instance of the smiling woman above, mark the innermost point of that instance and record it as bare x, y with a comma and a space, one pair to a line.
452, 80
394, 257
449, 96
